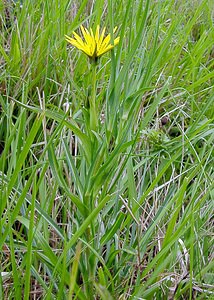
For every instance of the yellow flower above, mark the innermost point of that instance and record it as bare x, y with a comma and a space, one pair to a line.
94, 45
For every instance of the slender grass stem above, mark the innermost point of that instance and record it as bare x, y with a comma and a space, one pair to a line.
93, 104
65, 167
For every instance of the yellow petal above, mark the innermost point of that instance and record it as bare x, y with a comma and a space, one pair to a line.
105, 49
86, 34
101, 38
116, 41
91, 32
77, 37
73, 42
115, 28
97, 34
106, 41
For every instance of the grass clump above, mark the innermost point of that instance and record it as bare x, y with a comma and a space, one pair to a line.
106, 168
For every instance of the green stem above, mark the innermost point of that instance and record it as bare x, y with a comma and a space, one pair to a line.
93, 108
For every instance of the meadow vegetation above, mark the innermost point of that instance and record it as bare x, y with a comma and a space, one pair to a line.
122, 208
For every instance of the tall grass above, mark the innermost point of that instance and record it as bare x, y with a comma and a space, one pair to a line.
123, 212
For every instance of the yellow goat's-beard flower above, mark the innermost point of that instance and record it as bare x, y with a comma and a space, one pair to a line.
93, 45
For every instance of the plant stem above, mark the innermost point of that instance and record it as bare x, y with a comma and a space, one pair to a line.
93, 108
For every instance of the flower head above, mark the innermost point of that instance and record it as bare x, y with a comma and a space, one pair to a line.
94, 44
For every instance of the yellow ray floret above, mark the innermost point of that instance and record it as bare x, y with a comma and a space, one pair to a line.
93, 44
